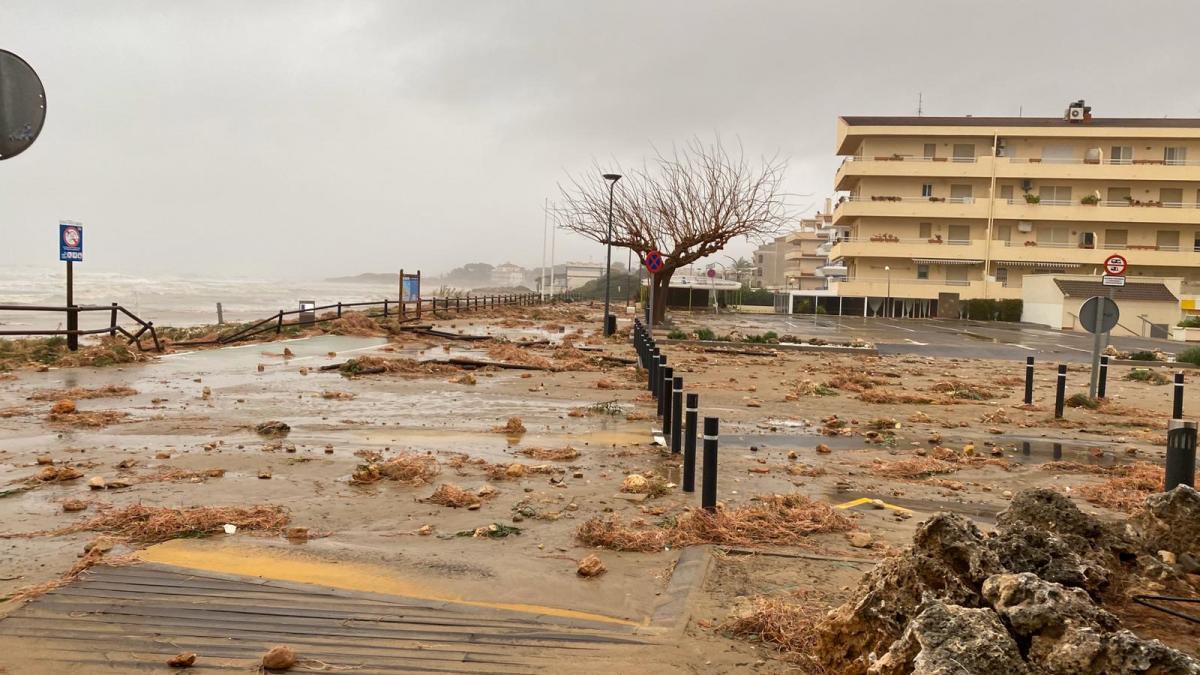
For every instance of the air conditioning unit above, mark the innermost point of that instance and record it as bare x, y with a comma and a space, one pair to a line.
1024, 226
1078, 112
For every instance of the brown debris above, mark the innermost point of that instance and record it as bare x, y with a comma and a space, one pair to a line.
590, 567
272, 428
513, 427
564, 454
334, 395
182, 660
153, 524
79, 393
279, 658
456, 497
786, 624
411, 468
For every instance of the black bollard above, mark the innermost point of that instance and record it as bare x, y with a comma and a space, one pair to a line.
656, 360
708, 479
676, 415
1060, 390
1102, 383
1177, 408
1025, 448
1028, 380
664, 397
1057, 452
1181, 454
689, 443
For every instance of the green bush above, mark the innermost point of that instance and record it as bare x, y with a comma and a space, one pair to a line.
756, 296
677, 334
706, 334
1147, 375
1143, 356
768, 337
1190, 322
1083, 401
1189, 355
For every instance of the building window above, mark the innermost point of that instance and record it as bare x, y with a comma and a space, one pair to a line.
1171, 196
1006, 192
1121, 154
1196, 242
1118, 196
927, 190
925, 230
1052, 235
960, 194
1058, 195
1168, 240
930, 150
1175, 155
959, 234
956, 275
1003, 232
1116, 240
1002, 275
964, 152
922, 271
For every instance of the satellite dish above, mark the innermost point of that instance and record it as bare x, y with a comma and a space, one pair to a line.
22, 105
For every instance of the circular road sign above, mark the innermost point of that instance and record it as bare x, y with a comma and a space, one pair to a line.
22, 105
712, 274
1115, 265
71, 236
654, 262
1099, 314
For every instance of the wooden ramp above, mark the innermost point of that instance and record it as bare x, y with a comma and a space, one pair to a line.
131, 619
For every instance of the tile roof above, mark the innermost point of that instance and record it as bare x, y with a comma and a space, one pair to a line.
1130, 291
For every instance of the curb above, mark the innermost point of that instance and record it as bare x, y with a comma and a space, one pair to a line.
831, 349
691, 570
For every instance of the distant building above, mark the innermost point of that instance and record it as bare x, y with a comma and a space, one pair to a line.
508, 275
808, 255
770, 262
570, 276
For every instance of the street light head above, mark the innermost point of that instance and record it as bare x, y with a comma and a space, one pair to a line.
614, 177
887, 268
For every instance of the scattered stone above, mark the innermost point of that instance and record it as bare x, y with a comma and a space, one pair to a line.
792, 454
264, 474
182, 660
859, 539
279, 658
45, 460
163, 455
591, 567
823, 449
272, 428
515, 470
97, 483
1169, 521
425, 530
70, 505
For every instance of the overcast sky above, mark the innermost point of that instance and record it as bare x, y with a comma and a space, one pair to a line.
308, 139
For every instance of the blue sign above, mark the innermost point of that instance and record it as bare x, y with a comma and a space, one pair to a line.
412, 289
654, 262
70, 242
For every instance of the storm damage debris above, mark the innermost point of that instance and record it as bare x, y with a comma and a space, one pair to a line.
64, 412
410, 467
81, 393
151, 524
453, 496
564, 454
272, 428
1027, 599
513, 427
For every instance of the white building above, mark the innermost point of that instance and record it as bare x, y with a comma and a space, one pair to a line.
508, 275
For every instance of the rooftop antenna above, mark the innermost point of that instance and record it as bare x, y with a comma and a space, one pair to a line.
1020, 111
920, 109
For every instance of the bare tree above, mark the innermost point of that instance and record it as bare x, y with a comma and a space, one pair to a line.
688, 205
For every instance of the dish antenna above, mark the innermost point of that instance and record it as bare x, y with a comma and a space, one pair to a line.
22, 105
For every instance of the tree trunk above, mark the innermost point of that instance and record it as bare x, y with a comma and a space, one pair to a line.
662, 282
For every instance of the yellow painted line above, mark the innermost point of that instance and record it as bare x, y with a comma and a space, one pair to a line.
268, 564
868, 500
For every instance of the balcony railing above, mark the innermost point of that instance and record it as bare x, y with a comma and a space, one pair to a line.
888, 239
1026, 160
909, 158
1114, 203
910, 200
1106, 247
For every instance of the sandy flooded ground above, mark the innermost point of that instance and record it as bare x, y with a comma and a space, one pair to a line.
886, 440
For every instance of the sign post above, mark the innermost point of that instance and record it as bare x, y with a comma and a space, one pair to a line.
70, 251
1100, 315
654, 263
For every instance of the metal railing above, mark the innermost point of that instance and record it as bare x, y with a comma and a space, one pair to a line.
897, 198
1026, 160
113, 329
410, 310
916, 240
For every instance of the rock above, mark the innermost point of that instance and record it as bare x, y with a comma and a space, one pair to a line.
948, 561
823, 449
182, 660
1169, 521
1047, 509
272, 428
279, 658
515, 470
1029, 549
591, 567
635, 483
1084, 649
45, 460
162, 455
74, 505
64, 407
425, 530
792, 454
1167, 557
859, 539
947, 640
214, 473
297, 533
264, 474
97, 483
1031, 606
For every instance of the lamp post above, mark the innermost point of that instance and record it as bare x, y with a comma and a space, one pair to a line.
612, 179
888, 305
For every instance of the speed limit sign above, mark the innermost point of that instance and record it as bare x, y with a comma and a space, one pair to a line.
1115, 265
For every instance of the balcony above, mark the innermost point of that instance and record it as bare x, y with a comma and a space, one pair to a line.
1122, 211
1072, 254
1123, 170
912, 207
928, 289
882, 247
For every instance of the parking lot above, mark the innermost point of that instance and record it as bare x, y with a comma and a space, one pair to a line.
933, 337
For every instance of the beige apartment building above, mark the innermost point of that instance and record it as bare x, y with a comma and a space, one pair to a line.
939, 209
797, 260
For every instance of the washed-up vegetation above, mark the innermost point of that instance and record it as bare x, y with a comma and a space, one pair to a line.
81, 393
411, 468
52, 351
784, 623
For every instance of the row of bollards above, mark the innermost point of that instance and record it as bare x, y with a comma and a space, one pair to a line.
679, 422
1181, 435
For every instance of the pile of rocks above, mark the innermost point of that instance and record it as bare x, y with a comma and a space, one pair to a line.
1025, 599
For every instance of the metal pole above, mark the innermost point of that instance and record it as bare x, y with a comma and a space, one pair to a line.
708, 480
1181, 455
608, 258
676, 415
1102, 385
72, 314
650, 306
1028, 380
1177, 407
1060, 390
664, 398
689, 443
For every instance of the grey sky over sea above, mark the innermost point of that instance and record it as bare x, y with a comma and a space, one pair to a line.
328, 138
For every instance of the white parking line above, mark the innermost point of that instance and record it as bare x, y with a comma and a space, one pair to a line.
912, 341
1074, 349
900, 327
1013, 344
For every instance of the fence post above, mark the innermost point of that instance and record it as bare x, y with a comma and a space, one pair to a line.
1102, 383
1177, 407
220, 315
708, 482
1181, 455
689, 443
664, 398
1028, 380
279, 323
1060, 390
676, 415
112, 322
339, 309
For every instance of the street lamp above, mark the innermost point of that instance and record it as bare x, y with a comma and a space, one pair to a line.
612, 179
888, 305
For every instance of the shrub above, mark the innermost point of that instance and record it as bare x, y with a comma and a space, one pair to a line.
1190, 322
1143, 356
706, 334
1083, 401
1147, 375
677, 334
1189, 355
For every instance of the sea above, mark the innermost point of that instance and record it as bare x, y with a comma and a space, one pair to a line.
168, 300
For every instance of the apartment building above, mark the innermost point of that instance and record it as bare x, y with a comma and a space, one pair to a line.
809, 248
770, 264
939, 209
